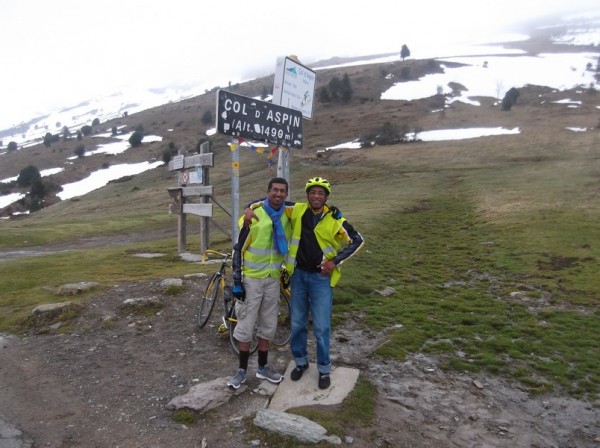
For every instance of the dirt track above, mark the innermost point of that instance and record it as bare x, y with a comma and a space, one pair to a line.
106, 384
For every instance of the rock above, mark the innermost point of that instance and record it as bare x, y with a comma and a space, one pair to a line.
53, 308
171, 282
386, 291
478, 384
196, 275
71, 289
205, 396
291, 425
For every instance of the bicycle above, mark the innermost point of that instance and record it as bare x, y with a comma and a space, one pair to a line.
219, 288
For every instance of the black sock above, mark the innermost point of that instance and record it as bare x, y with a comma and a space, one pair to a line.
244, 359
263, 358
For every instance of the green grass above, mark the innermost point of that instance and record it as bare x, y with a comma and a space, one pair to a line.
454, 275
491, 245
30, 281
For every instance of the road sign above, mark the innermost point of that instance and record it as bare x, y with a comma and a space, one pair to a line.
241, 116
294, 86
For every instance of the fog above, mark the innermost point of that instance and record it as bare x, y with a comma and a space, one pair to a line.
59, 53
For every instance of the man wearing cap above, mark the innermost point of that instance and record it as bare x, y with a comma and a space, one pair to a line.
321, 241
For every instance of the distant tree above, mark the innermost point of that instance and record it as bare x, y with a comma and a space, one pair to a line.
86, 130
510, 98
207, 117
125, 114
50, 138
264, 93
404, 52
113, 130
12, 146
335, 88
324, 96
34, 200
58, 124
346, 89
38, 189
386, 134
79, 150
66, 133
96, 121
79, 135
136, 138
28, 176
167, 155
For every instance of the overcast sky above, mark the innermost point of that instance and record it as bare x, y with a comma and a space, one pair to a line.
56, 53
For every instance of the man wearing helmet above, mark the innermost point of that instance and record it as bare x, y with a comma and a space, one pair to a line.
321, 241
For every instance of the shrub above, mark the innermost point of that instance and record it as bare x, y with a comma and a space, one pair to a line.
50, 138
387, 134
136, 138
28, 176
207, 117
336, 90
96, 121
404, 52
86, 130
324, 96
510, 99
167, 155
12, 146
79, 150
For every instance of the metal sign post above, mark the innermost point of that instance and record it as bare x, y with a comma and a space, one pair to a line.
283, 166
294, 87
243, 117
235, 188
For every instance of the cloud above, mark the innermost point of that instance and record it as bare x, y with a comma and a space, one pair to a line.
57, 53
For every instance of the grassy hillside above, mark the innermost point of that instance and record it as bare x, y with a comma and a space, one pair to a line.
491, 244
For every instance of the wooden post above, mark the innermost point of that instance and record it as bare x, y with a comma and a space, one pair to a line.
204, 228
177, 207
200, 162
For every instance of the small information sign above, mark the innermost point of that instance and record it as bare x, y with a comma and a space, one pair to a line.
178, 162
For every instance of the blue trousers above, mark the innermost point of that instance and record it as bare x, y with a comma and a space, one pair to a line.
312, 292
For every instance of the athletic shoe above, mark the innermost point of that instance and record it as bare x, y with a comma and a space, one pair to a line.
298, 372
266, 373
324, 380
238, 379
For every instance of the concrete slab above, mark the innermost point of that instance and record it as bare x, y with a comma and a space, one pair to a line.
306, 392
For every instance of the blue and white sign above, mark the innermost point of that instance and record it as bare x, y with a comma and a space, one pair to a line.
294, 86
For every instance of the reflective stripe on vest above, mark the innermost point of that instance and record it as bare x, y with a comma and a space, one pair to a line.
261, 259
326, 232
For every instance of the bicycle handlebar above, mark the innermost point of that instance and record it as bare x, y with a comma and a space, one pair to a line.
207, 252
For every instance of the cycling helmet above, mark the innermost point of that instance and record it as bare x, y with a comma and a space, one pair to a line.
318, 182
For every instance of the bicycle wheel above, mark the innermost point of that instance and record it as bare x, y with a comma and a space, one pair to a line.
284, 324
231, 323
207, 302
